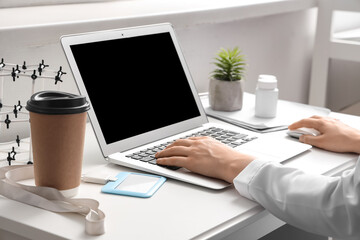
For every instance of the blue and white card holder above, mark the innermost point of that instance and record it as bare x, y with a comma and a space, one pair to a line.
129, 184
134, 184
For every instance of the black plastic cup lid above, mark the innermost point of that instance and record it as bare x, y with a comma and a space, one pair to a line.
54, 102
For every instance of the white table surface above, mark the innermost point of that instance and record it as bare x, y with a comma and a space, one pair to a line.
177, 210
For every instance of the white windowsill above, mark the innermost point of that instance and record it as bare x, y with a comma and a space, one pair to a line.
352, 35
179, 12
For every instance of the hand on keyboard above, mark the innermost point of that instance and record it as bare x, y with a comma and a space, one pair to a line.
206, 156
230, 138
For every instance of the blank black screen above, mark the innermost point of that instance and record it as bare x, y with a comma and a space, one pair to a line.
135, 84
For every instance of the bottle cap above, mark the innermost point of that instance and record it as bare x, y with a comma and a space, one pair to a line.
54, 102
266, 76
267, 82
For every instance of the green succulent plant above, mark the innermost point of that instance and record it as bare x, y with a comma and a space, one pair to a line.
230, 65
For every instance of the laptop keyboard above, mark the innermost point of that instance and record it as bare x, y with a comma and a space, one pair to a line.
230, 138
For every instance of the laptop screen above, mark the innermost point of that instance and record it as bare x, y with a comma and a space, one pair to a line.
135, 84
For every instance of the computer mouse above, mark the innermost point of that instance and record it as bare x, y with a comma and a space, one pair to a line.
296, 133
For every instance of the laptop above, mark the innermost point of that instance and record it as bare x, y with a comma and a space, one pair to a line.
142, 98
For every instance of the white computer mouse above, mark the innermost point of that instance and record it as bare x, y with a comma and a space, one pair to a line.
296, 133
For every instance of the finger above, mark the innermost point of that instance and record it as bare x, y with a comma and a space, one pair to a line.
307, 122
198, 137
172, 161
309, 139
173, 151
331, 119
187, 142
325, 118
180, 142
317, 117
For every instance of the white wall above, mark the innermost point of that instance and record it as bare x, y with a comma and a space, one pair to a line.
278, 44
344, 84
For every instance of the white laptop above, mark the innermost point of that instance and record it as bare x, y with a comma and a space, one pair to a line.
142, 96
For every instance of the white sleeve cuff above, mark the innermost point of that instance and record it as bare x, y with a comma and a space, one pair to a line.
243, 180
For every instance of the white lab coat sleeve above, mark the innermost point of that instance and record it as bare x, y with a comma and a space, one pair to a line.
329, 206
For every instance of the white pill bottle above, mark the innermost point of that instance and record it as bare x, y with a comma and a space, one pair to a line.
267, 95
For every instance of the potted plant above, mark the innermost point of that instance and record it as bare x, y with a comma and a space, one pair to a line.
225, 88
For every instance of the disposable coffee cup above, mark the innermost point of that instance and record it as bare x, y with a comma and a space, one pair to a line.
58, 122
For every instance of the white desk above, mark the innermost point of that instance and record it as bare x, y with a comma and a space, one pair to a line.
177, 211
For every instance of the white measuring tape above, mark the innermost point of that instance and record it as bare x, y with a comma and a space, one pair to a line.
49, 198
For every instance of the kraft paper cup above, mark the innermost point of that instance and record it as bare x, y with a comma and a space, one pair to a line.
58, 122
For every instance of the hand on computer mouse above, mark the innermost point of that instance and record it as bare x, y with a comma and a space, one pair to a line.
335, 136
297, 133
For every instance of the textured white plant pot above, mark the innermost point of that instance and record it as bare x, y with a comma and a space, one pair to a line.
225, 95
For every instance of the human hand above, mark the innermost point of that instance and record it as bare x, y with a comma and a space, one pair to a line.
206, 156
335, 135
